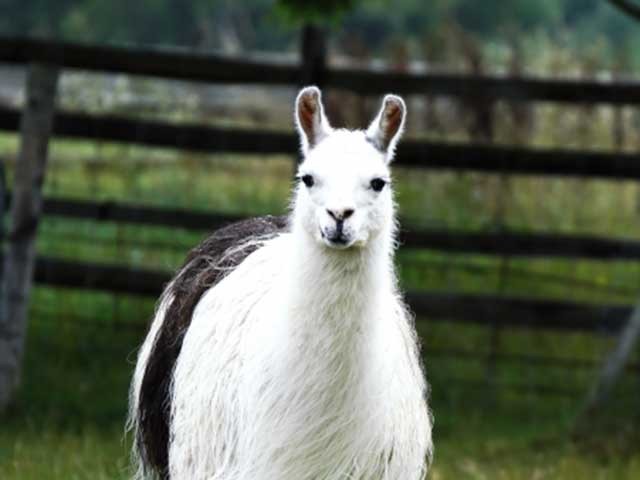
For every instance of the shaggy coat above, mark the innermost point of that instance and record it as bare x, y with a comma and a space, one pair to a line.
282, 349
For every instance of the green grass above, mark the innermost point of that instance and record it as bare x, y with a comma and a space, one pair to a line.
69, 415
30, 453
101, 454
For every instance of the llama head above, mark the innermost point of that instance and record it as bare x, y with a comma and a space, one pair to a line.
344, 196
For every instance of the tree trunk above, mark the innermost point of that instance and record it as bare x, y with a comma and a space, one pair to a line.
26, 206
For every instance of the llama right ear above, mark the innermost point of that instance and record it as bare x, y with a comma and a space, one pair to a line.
386, 129
311, 122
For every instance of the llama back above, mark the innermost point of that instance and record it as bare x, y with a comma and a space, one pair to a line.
150, 393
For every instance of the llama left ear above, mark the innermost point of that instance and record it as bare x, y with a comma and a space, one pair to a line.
312, 124
385, 131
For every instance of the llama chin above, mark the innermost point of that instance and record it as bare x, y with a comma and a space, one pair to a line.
282, 349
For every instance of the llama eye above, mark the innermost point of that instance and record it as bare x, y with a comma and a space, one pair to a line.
307, 180
377, 184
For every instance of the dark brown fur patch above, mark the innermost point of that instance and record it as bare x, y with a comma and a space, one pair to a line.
204, 267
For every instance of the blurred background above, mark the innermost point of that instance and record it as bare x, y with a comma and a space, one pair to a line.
517, 184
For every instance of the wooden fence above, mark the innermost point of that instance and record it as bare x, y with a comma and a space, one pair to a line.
490, 310
479, 309
416, 154
215, 69
511, 243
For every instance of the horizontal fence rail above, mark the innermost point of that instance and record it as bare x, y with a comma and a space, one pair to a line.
151, 62
185, 65
519, 160
419, 154
198, 138
487, 87
503, 311
478, 309
523, 244
567, 363
110, 278
140, 215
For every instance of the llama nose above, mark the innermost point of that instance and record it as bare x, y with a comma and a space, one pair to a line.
340, 214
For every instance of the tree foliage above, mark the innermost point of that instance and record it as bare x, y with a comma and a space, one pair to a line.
274, 24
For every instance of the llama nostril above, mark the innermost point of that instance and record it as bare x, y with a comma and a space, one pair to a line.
339, 215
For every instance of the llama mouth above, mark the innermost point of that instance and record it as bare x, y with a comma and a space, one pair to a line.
338, 241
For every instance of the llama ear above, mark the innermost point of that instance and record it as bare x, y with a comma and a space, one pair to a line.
385, 131
312, 124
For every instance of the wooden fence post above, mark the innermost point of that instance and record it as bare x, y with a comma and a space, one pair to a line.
313, 56
3, 193
26, 206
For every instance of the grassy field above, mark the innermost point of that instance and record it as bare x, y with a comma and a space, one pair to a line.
68, 422
508, 419
101, 454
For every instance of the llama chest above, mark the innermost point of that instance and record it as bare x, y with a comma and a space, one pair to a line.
320, 398
293, 390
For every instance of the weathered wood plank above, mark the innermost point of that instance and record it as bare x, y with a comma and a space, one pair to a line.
186, 65
524, 244
26, 207
415, 154
519, 160
479, 309
173, 63
519, 312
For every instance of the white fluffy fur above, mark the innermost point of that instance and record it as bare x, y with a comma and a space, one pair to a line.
302, 363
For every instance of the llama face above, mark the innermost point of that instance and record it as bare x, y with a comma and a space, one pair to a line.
344, 196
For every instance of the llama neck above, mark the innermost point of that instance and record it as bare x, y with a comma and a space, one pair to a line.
338, 288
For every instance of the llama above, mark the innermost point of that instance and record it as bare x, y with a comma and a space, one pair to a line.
282, 349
